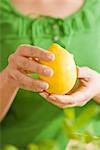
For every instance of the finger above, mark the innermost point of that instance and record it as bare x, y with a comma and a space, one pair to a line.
85, 72
80, 96
35, 52
28, 82
44, 94
33, 66
62, 99
49, 98
61, 104
65, 103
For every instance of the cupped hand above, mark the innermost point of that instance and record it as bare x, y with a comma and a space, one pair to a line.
88, 88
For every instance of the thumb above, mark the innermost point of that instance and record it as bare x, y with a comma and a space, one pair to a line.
84, 72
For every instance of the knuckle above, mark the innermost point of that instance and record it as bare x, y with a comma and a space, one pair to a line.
26, 84
11, 58
19, 48
38, 84
31, 51
40, 52
39, 68
45, 55
22, 84
33, 86
19, 77
37, 90
25, 64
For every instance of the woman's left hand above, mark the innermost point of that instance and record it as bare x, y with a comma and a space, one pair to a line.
88, 88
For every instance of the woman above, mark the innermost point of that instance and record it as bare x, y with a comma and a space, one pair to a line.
28, 29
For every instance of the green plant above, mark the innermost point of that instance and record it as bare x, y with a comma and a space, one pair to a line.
10, 147
78, 127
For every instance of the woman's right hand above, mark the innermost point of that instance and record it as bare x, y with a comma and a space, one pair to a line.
26, 60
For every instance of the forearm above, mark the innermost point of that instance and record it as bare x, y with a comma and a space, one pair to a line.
8, 92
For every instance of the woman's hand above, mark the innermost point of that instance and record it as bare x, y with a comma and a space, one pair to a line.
16, 75
88, 88
24, 61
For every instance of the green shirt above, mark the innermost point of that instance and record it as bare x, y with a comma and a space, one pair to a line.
31, 119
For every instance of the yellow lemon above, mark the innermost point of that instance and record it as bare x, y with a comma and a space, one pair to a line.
64, 67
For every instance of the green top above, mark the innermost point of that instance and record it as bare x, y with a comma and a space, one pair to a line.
31, 119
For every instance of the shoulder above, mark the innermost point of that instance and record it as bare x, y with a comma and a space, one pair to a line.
87, 18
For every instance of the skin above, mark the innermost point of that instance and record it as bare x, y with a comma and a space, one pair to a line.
48, 7
26, 58
16, 74
88, 88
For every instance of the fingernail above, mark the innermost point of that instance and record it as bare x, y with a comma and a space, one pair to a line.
48, 72
45, 85
44, 94
51, 56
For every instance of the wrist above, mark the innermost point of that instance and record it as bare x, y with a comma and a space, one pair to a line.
6, 77
8, 91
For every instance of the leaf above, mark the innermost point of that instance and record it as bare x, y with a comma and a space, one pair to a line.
70, 113
9, 147
32, 147
48, 145
68, 129
85, 116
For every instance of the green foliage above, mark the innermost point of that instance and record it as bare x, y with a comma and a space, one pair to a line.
44, 145
70, 113
78, 126
10, 147
48, 145
32, 147
85, 117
